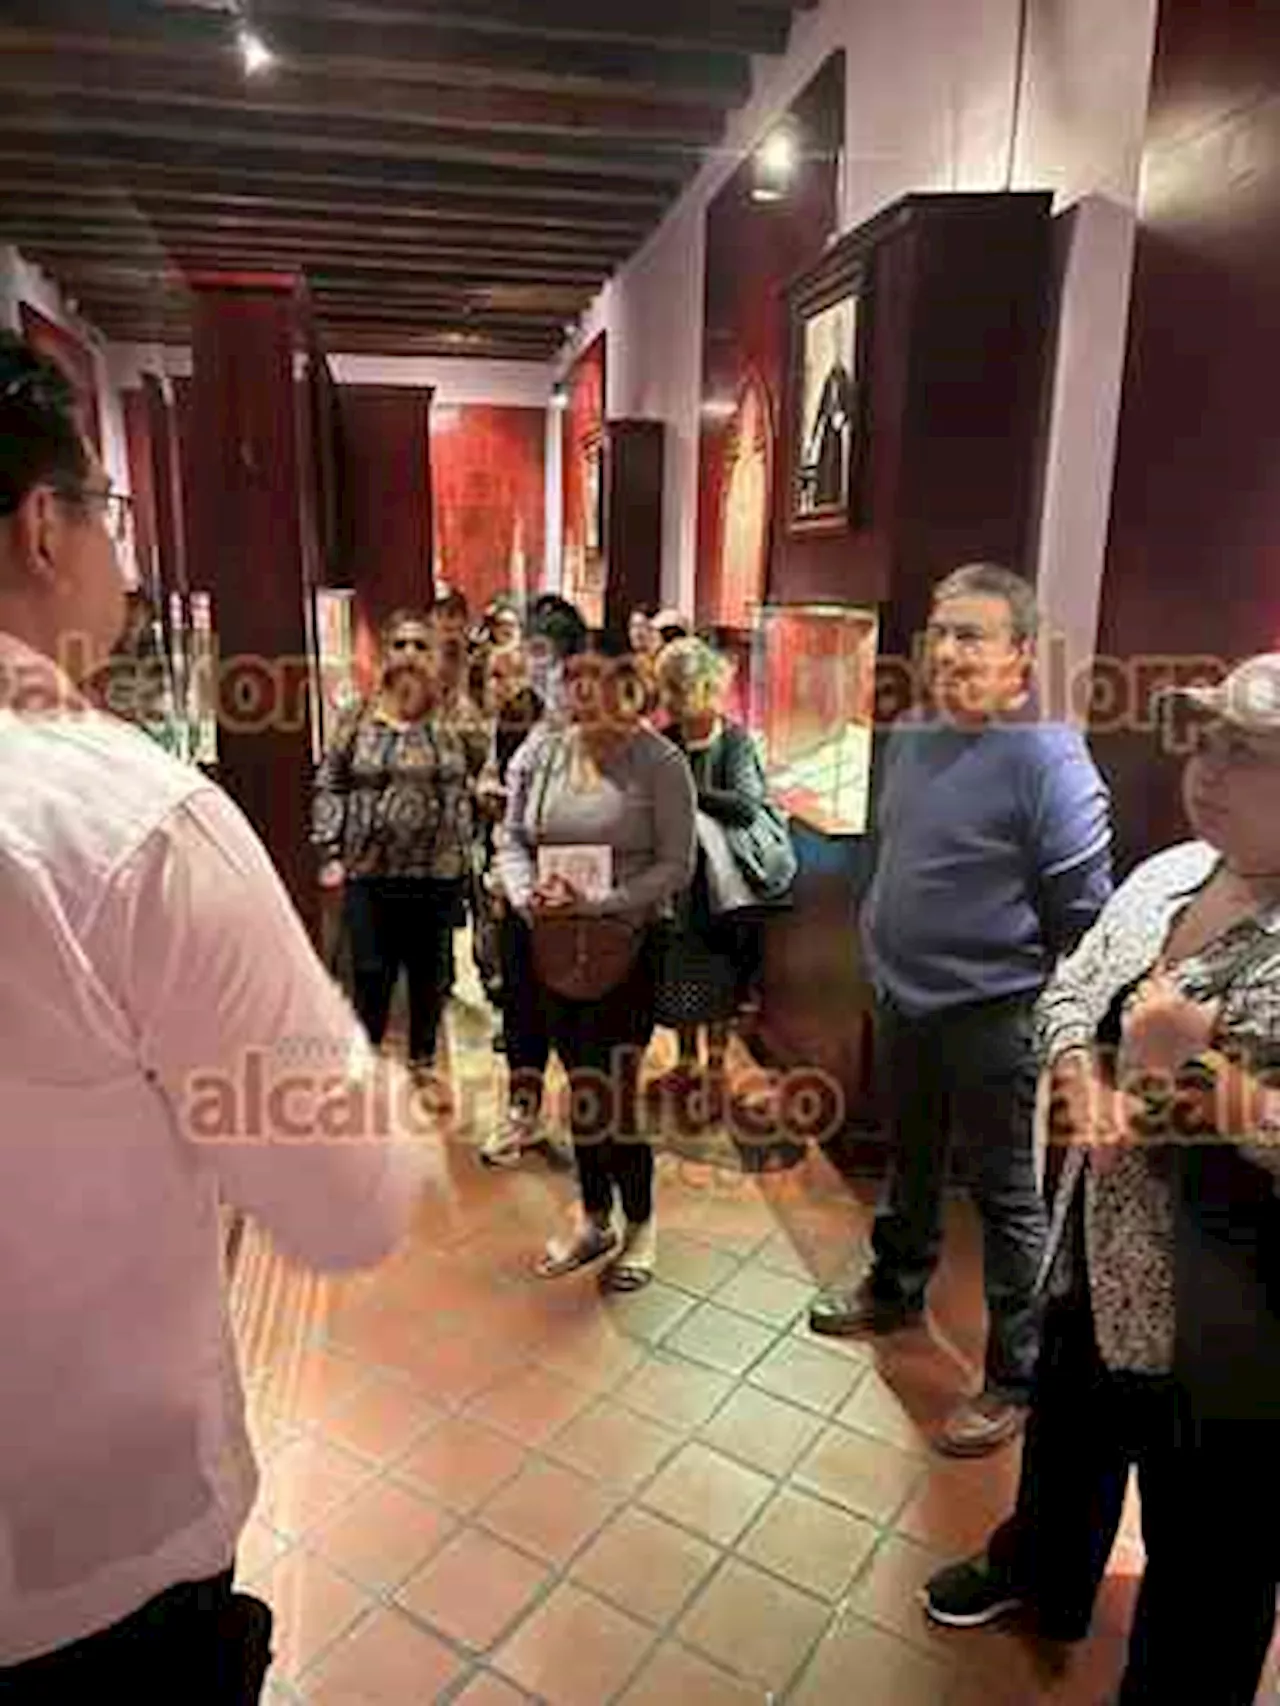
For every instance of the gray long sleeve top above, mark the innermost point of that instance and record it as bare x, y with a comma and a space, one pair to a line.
642, 806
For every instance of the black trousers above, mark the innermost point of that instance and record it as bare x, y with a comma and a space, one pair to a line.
407, 922
601, 1044
197, 1642
970, 1068
525, 1022
1210, 1511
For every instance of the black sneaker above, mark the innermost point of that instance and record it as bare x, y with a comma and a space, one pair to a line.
967, 1595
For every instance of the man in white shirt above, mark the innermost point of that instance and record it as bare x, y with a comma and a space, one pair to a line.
158, 995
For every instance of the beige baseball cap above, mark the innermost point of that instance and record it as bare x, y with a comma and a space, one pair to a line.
1248, 698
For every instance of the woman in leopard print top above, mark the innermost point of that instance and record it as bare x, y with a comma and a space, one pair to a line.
1161, 1347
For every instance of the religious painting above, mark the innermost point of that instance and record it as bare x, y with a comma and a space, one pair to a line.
826, 410
747, 500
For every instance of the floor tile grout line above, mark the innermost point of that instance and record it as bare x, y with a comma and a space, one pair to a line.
651, 1349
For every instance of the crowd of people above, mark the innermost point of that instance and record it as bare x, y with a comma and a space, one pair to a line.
1130, 1233
486, 749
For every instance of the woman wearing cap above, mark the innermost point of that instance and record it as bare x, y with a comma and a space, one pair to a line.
1161, 1348
608, 797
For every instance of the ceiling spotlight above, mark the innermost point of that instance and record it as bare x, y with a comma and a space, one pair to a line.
257, 56
775, 165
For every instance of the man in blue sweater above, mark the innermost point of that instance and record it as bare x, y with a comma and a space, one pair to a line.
993, 857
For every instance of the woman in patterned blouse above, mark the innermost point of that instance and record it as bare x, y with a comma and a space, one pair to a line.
1161, 1348
394, 825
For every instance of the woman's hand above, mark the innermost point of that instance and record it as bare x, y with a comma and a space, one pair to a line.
491, 796
332, 875
1087, 1111
1162, 1029
555, 894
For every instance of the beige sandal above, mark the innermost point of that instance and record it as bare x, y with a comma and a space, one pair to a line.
591, 1243
635, 1265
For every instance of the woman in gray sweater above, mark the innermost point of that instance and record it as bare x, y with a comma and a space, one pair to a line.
605, 782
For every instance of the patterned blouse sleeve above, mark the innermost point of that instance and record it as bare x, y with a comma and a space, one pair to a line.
1251, 1025
332, 786
1066, 1015
1077, 996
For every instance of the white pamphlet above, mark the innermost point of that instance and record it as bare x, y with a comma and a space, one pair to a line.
587, 869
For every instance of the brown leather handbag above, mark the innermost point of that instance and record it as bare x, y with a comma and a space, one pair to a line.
577, 957
582, 959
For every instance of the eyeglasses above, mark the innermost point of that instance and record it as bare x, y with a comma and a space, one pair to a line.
117, 508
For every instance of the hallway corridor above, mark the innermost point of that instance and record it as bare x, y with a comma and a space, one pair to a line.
480, 1487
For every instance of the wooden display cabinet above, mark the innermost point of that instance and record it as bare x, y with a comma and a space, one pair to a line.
912, 445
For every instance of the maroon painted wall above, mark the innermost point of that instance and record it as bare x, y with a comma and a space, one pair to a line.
754, 250
1195, 533
488, 467
386, 508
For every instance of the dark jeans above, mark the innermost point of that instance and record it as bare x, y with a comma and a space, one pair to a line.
971, 1068
525, 1027
198, 1642
404, 922
601, 1044
1207, 1607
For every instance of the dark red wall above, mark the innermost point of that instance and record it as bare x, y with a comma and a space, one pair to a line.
386, 508
1195, 534
488, 470
754, 250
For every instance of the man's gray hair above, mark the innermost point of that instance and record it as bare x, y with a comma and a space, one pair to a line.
989, 580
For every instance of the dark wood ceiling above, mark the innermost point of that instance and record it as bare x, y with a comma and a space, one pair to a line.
451, 176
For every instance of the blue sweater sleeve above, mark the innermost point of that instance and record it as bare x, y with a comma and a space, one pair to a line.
1070, 841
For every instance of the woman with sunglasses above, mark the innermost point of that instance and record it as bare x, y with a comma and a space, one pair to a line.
1161, 1346
393, 822
613, 802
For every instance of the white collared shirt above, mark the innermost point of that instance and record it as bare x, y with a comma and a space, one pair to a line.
150, 952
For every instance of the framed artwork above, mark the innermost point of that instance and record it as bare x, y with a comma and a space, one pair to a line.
827, 415
746, 505
593, 497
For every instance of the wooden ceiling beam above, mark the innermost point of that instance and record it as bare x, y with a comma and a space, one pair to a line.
470, 265
73, 261
23, 227
47, 192
132, 160
64, 74
227, 134
741, 26
405, 51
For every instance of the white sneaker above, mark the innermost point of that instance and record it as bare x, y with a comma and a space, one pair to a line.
508, 1145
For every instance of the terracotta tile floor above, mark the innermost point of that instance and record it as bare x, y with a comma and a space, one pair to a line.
483, 1488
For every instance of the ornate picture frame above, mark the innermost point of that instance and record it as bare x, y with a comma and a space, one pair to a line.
827, 418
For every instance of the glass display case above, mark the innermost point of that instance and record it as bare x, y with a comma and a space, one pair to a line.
332, 647
812, 709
